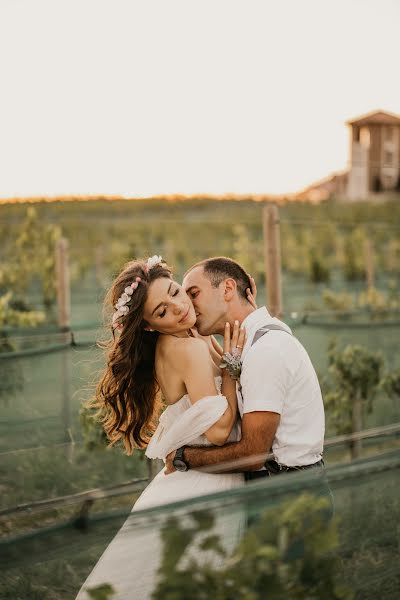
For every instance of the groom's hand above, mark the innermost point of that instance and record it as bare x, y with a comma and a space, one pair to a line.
252, 292
169, 467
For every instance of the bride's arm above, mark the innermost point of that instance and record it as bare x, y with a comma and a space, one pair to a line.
198, 376
228, 384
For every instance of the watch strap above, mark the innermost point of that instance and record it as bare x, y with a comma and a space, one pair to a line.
179, 454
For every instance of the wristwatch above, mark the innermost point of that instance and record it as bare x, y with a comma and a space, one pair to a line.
179, 462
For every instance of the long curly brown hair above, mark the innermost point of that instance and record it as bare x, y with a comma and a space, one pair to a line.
128, 395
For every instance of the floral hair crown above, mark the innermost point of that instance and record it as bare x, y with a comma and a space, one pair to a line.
121, 305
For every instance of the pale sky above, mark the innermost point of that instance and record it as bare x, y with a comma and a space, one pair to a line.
187, 96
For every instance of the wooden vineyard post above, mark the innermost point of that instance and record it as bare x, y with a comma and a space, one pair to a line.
356, 426
272, 252
63, 285
369, 263
64, 323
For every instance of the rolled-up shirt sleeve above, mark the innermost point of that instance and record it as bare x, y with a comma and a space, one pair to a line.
265, 378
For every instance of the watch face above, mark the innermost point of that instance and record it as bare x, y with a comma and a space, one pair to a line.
179, 464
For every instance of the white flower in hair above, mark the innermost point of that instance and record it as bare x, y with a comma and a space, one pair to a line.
123, 299
153, 261
122, 302
126, 296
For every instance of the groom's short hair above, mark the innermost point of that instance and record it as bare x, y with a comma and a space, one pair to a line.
219, 268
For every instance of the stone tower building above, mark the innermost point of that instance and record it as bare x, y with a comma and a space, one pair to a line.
374, 155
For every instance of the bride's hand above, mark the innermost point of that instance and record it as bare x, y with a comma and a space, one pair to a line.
252, 292
233, 348
235, 342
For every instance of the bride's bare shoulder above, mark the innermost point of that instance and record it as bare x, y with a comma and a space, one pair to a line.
184, 349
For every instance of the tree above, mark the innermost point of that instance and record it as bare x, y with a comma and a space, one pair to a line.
319, 269
391, 384
338, 301
354, 377
31, 261
354, 267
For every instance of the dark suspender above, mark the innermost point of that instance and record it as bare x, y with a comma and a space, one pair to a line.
259, 333
263, 330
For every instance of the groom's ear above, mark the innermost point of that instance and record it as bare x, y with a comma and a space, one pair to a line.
230, 289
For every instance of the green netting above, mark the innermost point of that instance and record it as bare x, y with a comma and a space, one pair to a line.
42, 395
273, 538
41, 449
52, 385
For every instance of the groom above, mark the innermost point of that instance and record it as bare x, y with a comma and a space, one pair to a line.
279, 396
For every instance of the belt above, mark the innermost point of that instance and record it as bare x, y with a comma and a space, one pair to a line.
274, 468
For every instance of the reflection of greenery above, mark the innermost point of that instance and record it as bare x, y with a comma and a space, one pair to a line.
101, 592
369, 524
289, 553
92, 429
48, 472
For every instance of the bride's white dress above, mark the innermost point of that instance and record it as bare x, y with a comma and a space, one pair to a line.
131, 560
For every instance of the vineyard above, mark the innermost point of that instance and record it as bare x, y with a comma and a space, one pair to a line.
341, 296
320, 244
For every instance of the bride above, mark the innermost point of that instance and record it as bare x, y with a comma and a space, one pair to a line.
154, 353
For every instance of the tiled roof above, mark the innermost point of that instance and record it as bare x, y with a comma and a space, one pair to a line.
380, 117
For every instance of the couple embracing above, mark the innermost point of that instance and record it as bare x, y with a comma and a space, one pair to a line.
257, 394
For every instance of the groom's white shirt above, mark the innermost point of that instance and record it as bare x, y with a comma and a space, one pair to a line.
278, 376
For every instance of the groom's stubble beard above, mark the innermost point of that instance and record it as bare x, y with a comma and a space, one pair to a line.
212, 325
204, 330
